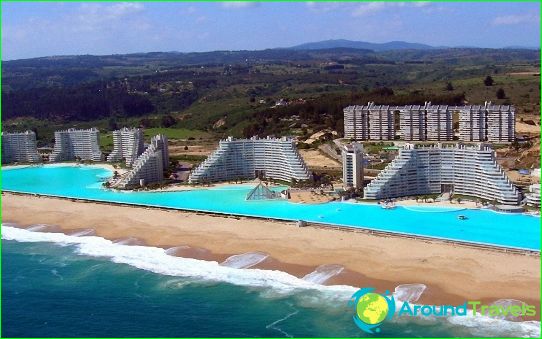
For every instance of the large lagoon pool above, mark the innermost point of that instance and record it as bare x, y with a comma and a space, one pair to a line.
482, 226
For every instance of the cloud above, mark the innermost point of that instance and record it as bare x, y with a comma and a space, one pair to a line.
515, 19
368, 8
239, 4
323, 7
94, 16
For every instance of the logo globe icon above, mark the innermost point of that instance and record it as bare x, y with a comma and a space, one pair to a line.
372, 308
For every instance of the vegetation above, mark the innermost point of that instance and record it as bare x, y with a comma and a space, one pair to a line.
215, 94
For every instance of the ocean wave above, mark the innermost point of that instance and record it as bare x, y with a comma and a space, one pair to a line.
272, 283
157, 260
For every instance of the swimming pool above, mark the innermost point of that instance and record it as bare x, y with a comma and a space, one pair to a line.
482, 226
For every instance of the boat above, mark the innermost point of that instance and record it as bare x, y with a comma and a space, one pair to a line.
462, 217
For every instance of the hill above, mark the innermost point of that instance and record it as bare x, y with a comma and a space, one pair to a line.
377, 47
236, 92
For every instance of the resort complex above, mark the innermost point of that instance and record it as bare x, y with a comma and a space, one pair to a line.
127, 145
19, 147
461, 170
73, 144
272, 158
352, 156
477, 123
149, 167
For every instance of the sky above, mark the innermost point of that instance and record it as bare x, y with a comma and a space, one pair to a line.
68, 28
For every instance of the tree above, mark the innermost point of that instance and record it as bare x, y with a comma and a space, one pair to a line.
168, 121
112, 124
501, 94
449, 87
488, 81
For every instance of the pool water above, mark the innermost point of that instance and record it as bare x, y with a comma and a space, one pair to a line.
482, 226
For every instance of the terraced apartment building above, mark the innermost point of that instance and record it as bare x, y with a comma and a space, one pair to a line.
19, 147
73, 144
127, 145
274, 158
149, 167
460, 169
428, 122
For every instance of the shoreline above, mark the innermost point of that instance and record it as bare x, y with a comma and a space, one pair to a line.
452, 273
322, 225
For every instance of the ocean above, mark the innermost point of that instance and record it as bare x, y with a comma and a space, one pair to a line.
55, 285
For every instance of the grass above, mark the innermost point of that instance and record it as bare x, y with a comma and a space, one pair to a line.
106, 141
176, 133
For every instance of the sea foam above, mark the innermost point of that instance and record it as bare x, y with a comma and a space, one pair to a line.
157, 260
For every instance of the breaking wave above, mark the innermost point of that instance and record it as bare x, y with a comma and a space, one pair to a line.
157, 260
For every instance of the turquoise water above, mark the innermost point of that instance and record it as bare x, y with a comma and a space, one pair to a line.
482, 226
54, 285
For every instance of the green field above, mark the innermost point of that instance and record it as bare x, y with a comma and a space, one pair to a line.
176, 133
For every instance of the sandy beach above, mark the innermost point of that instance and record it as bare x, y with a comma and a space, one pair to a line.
452, 272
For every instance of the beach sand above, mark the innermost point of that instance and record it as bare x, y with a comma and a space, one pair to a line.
452, 272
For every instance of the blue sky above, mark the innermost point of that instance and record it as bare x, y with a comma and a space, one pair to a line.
56, 28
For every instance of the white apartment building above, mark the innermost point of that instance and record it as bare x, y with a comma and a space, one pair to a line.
352, 155
460, 169
19, 147
356, 122
127, 145
275, 158
149, 167
439, 122
72, 144
533, 197
371, 122
412, 122
494, 123
427, 122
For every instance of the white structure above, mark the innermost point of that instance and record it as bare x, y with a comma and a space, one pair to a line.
371, 122
353, 165
127, 145
494, 123
533, 197
251, 158
458, 169
149, 167
160, 142
76, 143
19, 147
427, 122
